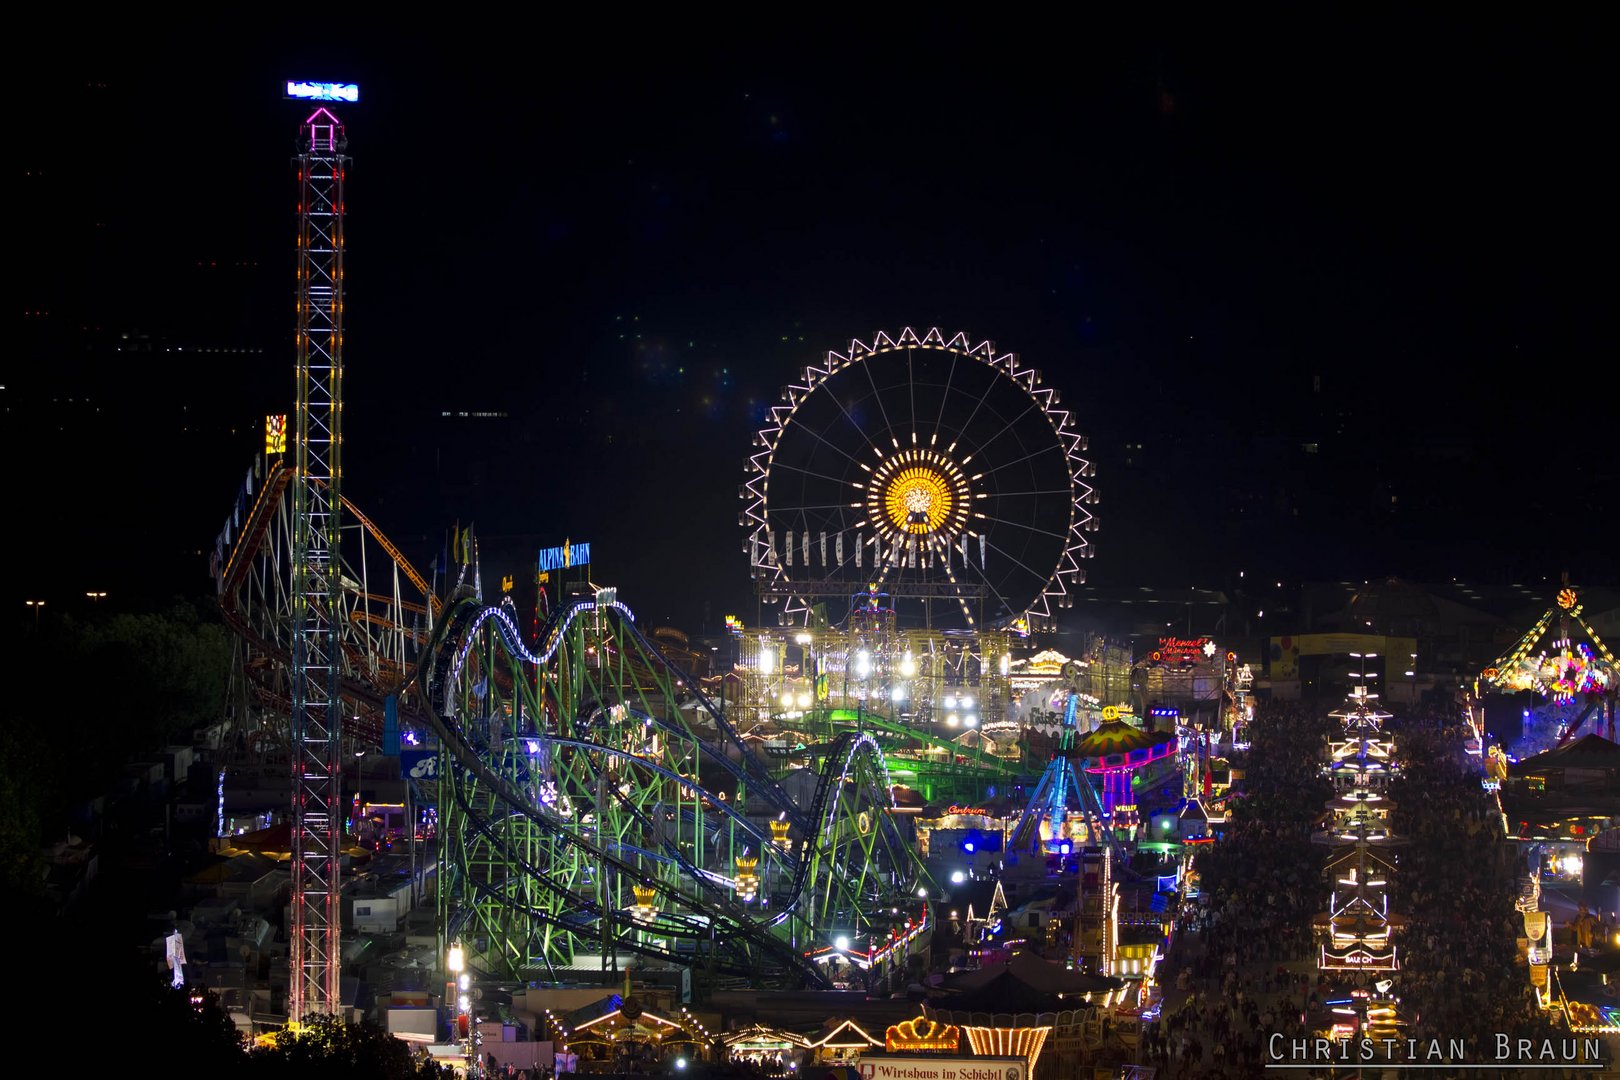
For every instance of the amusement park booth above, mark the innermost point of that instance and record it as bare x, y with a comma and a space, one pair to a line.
762, 1045
619, 1035
1031, 1008
842, 1042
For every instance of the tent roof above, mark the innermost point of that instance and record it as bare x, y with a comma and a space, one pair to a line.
1023, 983
1117, 737
1590, 751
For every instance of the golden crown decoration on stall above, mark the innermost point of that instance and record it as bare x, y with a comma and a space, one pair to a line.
645, 909
922, 1033
747, 879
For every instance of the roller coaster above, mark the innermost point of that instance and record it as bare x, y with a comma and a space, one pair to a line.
385, 616
578, 831
577, 826
597, 810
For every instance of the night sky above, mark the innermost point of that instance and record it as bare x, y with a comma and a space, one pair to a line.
1383, 239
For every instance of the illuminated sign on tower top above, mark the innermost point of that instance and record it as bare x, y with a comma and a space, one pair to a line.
322, 91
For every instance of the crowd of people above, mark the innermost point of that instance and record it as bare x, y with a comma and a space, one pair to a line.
1238, 957
1242, 964
1462, 976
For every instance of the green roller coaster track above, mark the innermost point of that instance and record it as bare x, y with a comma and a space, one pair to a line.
962, 774
576, 834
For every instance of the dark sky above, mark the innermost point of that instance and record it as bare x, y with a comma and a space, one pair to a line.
1383, 238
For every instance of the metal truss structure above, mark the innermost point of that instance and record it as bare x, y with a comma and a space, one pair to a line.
940, 469
317, 710
597, 810
384, 617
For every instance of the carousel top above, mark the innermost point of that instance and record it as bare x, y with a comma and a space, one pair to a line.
1116, 737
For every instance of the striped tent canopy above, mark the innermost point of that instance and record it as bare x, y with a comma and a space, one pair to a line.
1116, 737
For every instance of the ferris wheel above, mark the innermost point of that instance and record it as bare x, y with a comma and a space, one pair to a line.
940, 474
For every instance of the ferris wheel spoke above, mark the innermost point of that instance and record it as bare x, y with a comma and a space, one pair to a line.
1035, 529
911, 389
968, 423
1032, 406
826, 385
830, 444
1032, 455
839, 480
1044, 491
992, 591
950, 377
824, 506
878, 397
1004, 553
945, 555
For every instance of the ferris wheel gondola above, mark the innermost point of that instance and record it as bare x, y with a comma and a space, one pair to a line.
940, 471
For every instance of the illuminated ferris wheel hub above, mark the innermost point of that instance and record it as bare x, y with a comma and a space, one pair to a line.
918, 493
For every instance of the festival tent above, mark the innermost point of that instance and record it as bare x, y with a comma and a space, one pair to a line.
1590, 759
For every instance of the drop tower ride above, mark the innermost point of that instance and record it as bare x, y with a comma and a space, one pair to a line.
317, 714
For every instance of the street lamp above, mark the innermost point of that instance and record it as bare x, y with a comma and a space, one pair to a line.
456, 963
36, 605
96, 595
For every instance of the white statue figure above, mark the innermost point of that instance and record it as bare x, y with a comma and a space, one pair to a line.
174, 948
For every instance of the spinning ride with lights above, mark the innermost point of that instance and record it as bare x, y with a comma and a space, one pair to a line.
1578, 678
942, 470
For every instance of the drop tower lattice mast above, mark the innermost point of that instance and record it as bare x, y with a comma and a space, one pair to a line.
317, 715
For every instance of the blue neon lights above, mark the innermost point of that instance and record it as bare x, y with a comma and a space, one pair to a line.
565, 557
323, 91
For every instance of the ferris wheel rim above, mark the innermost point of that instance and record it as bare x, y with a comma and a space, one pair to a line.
1055, 584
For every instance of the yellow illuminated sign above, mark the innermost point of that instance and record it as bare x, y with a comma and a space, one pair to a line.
275, 434
921, 1034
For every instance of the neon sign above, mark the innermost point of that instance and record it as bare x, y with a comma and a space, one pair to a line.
565, 557
922, 1034
323, 91
275, 434
967, 811
1182, 650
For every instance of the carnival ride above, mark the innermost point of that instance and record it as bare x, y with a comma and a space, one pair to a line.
916, 506
572, 807
1068, 810
942, 470
384, 617
1577, 679
578, 833
575, 828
